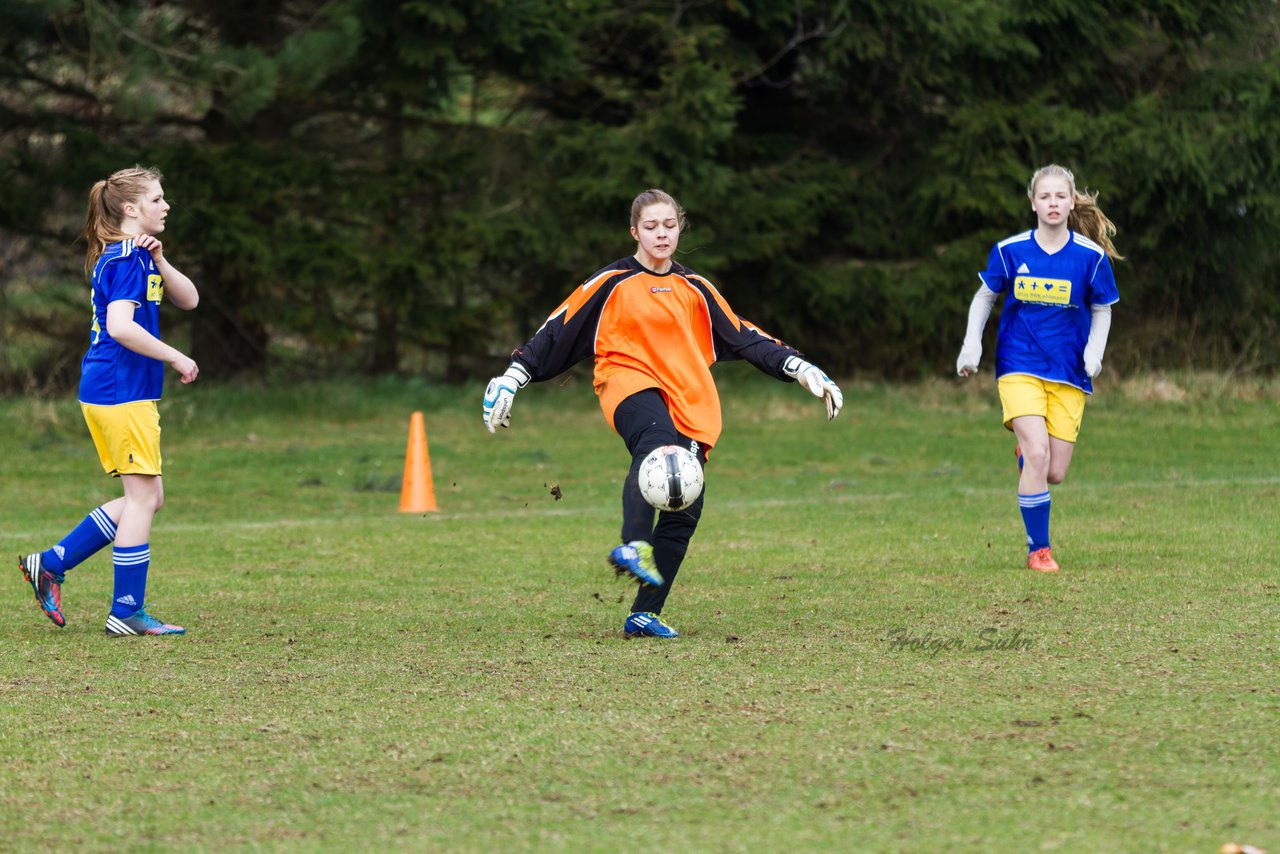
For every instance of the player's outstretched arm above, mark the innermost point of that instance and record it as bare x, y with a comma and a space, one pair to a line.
813, 378
501, 393
971, 350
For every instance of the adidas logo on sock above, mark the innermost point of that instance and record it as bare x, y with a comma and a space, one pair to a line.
1022, 268
60, 552
127, 599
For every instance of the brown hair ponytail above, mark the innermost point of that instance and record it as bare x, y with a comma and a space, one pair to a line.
106, 209
1088, 219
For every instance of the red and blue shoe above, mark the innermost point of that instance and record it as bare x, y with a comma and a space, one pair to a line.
636, 559
139, 623
646, 624
47, 586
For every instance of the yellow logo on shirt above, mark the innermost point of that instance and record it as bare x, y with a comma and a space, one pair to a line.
1049, 291
155, 288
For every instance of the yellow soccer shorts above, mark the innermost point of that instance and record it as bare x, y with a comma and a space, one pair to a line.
1061, 405
127, 436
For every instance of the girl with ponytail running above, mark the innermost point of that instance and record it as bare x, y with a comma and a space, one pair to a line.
1058, 290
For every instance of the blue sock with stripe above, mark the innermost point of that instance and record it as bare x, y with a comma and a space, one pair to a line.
131, 578
1035, 517
84, 541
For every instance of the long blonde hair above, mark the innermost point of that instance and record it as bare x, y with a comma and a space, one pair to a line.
1086, 217
106, 209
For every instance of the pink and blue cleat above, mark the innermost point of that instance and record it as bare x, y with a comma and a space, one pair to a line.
47, 586
139, 623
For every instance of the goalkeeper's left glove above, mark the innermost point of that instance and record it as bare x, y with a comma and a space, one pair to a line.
811, 377
501, 393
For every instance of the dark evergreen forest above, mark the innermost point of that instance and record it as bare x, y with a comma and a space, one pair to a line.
364, 186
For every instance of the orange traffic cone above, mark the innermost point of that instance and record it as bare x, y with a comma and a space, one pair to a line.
417, 495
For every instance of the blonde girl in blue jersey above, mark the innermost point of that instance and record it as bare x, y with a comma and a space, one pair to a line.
1059, 288
121, 379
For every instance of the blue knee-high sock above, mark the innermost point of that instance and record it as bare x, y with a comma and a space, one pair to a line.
131, 578
1035, 516
81, 543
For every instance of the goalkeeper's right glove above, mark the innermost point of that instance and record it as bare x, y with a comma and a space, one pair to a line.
501, 393
818, 383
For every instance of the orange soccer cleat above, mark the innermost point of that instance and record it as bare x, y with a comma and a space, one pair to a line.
1041, 560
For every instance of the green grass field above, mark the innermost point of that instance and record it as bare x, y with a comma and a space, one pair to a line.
357, 679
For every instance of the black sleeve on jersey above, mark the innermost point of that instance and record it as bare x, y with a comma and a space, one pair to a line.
744, 340
561, 344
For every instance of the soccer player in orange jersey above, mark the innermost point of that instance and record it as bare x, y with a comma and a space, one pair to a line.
654, 328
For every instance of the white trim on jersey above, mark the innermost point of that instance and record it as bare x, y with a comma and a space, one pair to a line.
1081, 240
585, 286
126, 249
1077, 237
1016, 238
589, 282
561, 310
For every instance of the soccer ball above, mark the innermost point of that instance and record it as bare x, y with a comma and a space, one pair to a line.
671, 478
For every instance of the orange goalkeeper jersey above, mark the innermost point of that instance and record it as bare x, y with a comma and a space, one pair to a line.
647, 330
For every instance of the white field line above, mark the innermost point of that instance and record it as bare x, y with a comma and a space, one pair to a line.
610, 508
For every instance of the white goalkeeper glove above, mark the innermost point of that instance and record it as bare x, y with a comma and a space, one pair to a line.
501, 393
811, 377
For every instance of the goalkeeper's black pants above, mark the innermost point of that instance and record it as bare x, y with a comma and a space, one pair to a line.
644, 423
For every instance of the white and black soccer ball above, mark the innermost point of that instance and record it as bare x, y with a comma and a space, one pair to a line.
671, 478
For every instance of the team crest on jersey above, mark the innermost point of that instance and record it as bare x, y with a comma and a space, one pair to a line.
657, 290
1040, 290
155, 288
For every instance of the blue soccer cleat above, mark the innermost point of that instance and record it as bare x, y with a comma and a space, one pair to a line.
636, 559
646, 624
139, 623
47, 586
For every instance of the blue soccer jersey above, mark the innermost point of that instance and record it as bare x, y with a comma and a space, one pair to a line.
111, 374
1045, 322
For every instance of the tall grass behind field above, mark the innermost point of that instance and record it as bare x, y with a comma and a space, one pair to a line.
865, 664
